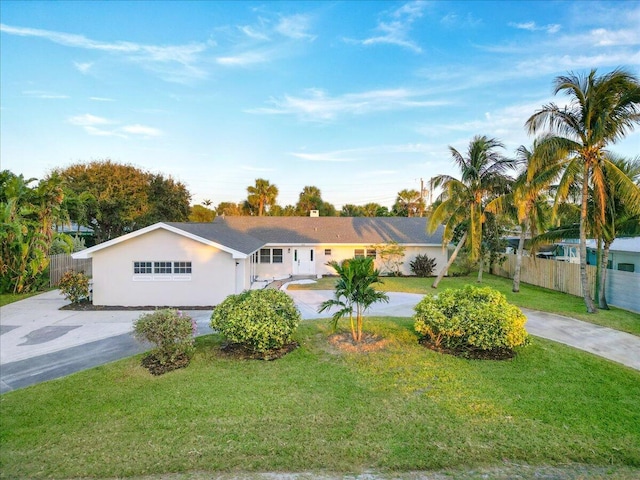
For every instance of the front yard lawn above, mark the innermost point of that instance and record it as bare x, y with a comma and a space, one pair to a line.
318, 409
530, 296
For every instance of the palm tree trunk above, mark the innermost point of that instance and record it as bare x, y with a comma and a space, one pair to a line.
480, 268
602, 297
516, 273
584, 281
450, 262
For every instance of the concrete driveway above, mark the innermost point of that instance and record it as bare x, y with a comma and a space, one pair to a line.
39, 342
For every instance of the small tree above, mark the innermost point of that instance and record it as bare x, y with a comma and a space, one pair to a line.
172, 332
391, 255
74, 286
354, 290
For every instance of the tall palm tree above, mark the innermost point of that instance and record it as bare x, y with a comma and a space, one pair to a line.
601, 110
622, 218
262, 194
461, 204
527, 202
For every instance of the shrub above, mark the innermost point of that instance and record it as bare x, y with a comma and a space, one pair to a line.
74, 286
260, 320
470, 319
422, 265
172, 333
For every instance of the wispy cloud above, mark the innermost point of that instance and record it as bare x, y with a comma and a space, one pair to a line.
295, 26
101, 99
533, 27
454, 20
317, 105
394, 27
173, 62
254, 33
244, 59
83, 67
362, 154
44, 95
95, 125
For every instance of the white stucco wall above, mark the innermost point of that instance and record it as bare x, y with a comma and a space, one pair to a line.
213, 274
338, 253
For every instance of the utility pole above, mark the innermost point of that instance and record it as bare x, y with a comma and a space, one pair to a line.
421, 197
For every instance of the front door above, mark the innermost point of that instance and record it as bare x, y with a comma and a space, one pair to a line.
304, 261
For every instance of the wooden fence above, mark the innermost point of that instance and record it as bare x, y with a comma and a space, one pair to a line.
551, 274
622, 288
58, 264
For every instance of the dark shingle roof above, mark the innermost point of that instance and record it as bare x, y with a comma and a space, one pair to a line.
247, 234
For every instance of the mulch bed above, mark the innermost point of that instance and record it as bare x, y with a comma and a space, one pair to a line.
88, 306
343, 341
474, 354
240, 351
156, 367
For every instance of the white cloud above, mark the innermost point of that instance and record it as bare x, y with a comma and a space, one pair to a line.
243, 59
143, 130
83, 67
101, 99
319, 106
295, 26
253, 33
173, 62
363, 154
533, 27
395, 27
87, 119
601, 37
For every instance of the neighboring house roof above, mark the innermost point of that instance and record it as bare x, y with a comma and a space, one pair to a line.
244, 241
630, 244
241, 236
335, 230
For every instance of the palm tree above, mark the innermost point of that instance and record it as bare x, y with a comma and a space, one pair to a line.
622, 218
310, 198
601, 110
409, 203
353, 289
527, 202
262, 194
462, 202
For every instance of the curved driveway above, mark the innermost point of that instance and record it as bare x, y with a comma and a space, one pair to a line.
39, 342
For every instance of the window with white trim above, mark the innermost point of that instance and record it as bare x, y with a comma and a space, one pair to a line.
327, 251
181, 268
161, 268
271, 255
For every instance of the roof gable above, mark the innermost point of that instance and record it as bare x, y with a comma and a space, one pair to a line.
175, 228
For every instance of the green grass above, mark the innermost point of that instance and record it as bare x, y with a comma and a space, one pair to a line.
530, 296
402, 409
7, 298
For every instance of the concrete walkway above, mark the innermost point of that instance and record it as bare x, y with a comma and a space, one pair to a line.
39, 342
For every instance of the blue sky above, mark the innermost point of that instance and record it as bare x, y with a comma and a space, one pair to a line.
361, 99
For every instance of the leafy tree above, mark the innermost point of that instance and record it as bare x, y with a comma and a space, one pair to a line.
350, 210
311, 199
601, 110
117, 198
27, 215
390, 255
462, 202
231, 209
261, 196
354, 290
373, 209
409, 203
200, 213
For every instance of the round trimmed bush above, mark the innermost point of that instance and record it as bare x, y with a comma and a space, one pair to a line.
261, 320
470, 319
